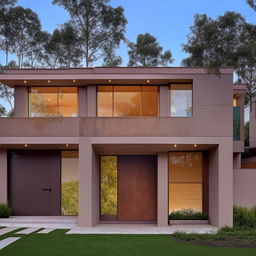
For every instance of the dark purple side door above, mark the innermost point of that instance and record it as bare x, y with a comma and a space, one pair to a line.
35, 183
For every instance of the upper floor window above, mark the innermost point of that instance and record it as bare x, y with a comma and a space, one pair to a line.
180, 100
53, 102
120, 101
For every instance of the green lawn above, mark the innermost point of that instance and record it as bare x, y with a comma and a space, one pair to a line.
59, 244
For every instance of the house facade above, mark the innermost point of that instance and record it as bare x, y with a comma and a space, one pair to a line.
122, 145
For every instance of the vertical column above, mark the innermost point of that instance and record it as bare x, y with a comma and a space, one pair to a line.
237, 161
88, 184
241, 105
20, 101
91, 101
164, 101
82, 101
162, 189
221, 184
3, 176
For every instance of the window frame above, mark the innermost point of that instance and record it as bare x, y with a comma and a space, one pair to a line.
113, 97
169, 100
58, 87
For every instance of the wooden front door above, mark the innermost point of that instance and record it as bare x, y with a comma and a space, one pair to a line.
34, 182
137, 188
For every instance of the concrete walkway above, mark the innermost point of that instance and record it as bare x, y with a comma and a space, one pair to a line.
70, 223
143, 229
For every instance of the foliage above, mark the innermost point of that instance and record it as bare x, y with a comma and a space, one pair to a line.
244, 217
188, 214
99, 26
246, 133
252, 4
108, 185
5, 211
227, 41
63, 48
69, 198
147, 52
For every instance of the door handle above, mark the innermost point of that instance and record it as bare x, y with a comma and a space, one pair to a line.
47, 189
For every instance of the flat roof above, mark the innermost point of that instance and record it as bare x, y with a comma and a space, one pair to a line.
103, 75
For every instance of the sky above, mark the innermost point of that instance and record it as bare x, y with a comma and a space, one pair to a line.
167, 20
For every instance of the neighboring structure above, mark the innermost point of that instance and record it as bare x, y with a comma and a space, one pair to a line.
140, 142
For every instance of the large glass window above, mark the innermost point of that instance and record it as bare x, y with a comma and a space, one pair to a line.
108, 178
127, 101
69, 182
185, 181
53, 102
181, 100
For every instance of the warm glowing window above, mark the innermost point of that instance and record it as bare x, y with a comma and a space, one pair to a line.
235, 102
127, 101
180, 100
185, 181
53, 102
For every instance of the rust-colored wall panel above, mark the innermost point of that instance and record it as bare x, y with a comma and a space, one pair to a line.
31, 174
137, 188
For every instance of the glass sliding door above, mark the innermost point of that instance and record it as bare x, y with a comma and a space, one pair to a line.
69, 183
108, 183
185, 181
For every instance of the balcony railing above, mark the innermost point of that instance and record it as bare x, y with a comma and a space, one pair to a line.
236, 123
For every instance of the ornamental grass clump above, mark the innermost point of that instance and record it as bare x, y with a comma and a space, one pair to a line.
5, 211
188, 214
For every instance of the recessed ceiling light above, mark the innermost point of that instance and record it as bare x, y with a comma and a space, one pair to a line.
110, 81
74, 81
175, 146
26, 145
148, 81
195, 145
67, 145
25, 81
49, 81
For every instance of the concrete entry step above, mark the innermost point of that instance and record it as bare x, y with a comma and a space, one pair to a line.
4, 231
7, 241
46, 231
27, 231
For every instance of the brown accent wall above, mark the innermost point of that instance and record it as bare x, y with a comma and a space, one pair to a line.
82, 101
3, 176
20, 101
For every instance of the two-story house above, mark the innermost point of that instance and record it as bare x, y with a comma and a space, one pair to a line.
129, 145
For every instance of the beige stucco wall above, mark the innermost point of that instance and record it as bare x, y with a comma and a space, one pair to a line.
244, 187
3, 176
162, 189
20, 101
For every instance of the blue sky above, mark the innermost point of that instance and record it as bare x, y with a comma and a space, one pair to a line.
168, 20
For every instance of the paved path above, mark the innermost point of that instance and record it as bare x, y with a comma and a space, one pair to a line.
46, 231
4, 231
27, 231
7, 241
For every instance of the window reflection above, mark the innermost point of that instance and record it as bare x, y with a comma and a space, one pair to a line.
127, 101
185, 181
181, 100
53, 102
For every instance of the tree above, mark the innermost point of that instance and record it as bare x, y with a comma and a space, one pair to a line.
99, 26
7, 3
246, 134
214, 43
63, 48
25, 26
252, 4
7, 94
227, 41
35, 54
147, 52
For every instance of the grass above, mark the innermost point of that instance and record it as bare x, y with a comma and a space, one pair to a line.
58, 244
226, 237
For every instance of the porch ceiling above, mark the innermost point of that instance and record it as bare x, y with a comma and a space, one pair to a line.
147, 149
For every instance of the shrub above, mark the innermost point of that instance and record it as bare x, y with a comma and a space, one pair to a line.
5, 211
244, 217
188, 214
